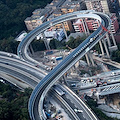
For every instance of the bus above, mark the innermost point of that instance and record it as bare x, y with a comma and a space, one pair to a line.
58, 90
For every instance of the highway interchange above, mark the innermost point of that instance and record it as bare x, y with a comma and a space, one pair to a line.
31, 75
26, 74
46, 83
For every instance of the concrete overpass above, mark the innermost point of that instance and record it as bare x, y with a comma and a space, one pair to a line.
42, 88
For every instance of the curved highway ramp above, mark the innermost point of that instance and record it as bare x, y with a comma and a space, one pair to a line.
36, 100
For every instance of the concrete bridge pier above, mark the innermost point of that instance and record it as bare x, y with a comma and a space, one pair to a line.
91, 59
46, 42
64, 31
101, 47
31, 49
84, 26
88, 32
108, 40
114, 42
87, 58
106, 49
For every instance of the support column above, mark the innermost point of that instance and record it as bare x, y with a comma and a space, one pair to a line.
114, 42
97, 95
65, 80
86, 26
72, 69
91, 59
88, 62
46, 45
101, 47
32, 51
64, 31
106, 49
107, 36
46, 42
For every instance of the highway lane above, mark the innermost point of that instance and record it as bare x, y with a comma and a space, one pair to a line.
22, 50
2, 53
19, 74
22, 65
78, 103
42, 88
70, 99
64, 104
70, 60
13, 80
20, 70
10, 69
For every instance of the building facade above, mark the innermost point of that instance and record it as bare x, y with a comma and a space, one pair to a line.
67, 7
104, 6
52, 10
40, 15
91, 24
52, 33
115, 24
94, 24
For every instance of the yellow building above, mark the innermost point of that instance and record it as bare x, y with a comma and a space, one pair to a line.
64, 10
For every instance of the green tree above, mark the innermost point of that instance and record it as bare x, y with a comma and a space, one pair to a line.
12, 16
38, 45
71, 42
53, 44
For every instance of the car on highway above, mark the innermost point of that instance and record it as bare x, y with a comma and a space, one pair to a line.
73, 85
77, 110
10, 55
105, 83
91, 80
91, 39
37, 65
7, 63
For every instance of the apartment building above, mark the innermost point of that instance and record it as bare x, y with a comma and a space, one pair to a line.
79, 4
93, 24
67, 7
52, 10
40, 15
67, 24
52, 33
105, 6
56, 3
115, 24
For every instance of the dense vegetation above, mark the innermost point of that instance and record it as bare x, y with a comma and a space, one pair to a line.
13, 103
72, 43
93, 105
116, 54
12, 16
38, 45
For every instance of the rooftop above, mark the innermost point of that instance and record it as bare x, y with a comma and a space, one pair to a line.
77, 21
68, 3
